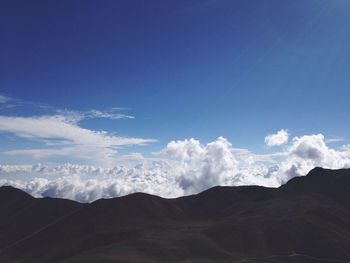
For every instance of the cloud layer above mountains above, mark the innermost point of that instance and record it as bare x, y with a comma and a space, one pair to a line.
182, 167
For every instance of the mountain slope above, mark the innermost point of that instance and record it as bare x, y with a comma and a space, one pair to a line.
306, 220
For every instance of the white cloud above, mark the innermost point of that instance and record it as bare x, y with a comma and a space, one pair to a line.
279, 138
112, 114
309, 151
61, 134
334, 140
88, 183
202, 166
75, 116
65, 132
182, 167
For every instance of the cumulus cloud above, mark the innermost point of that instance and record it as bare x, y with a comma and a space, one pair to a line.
279, 138
202, 166
309, 151
182, 167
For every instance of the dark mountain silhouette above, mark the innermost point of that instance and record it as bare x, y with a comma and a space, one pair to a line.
305, 220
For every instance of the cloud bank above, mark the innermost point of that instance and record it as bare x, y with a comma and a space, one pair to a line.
182, 167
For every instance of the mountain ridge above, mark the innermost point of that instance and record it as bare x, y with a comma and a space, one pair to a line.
305, 220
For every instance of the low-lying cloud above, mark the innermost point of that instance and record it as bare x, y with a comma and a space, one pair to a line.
182, 167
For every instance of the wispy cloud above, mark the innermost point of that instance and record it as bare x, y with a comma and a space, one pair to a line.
334, 140
9, 102
4, 99
65, 131
112, 114
61, 133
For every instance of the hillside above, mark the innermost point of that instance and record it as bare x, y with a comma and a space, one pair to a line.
305, 220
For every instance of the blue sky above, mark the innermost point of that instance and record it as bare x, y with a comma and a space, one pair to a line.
181, 69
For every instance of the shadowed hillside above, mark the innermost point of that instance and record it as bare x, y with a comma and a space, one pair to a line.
306, 220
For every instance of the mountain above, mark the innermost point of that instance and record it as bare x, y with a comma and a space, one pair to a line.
305, 220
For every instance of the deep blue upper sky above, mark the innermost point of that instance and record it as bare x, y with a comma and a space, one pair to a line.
203, 69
